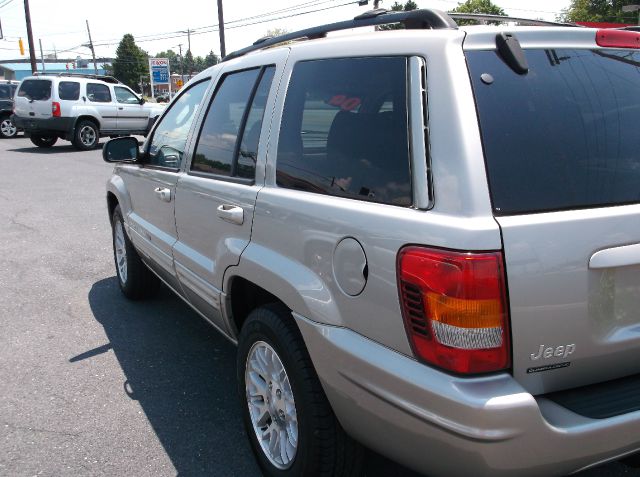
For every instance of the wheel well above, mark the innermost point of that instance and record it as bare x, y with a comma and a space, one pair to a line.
112, 202
87, 118
246, 297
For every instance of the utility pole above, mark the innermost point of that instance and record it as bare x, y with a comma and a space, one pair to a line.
93, 52
41, 55
189, 39
223, 50
181, 65
32, 50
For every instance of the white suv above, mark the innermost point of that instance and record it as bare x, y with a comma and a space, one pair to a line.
80, 109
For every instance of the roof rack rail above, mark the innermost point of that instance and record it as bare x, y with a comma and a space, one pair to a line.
482, 17
414, 19
105, 78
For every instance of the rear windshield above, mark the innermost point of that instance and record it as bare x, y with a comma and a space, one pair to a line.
6, 91
564, 136
35, 89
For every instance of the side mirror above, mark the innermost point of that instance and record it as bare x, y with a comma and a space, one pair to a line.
142, 101
121, 149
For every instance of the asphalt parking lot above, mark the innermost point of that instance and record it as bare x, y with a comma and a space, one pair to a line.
92, 384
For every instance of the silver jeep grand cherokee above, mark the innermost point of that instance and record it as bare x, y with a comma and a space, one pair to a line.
426, 241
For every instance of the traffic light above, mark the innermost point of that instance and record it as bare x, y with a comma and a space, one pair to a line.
21, 46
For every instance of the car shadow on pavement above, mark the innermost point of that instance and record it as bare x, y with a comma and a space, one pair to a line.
182, 373
56, 149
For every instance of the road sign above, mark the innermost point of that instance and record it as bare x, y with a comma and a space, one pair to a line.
179, 83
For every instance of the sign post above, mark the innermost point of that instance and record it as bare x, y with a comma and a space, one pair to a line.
159, 73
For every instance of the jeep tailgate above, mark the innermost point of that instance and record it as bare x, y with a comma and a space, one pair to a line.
563, 161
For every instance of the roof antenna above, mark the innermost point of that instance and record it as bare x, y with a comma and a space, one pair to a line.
512, 53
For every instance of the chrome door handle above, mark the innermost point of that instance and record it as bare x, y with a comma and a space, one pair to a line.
163, 194
231, 213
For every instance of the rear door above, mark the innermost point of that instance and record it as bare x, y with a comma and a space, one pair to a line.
101, 99
132, 116
216, 197
563, 161
34, 99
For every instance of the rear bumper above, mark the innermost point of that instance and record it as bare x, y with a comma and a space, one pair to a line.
445, 425
53, 126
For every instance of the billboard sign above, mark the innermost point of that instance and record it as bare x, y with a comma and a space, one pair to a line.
159, 73
159, 70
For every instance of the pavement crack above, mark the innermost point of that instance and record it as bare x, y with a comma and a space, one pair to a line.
36, 429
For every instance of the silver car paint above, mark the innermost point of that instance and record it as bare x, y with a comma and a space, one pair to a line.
444, 425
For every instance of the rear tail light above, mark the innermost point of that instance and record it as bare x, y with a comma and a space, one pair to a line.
55, 109
455, 308
612, 38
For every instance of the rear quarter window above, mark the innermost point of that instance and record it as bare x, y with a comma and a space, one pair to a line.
563, 136
37, 90
344, 130
69, 90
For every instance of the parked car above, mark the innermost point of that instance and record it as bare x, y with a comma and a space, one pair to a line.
7, 91
163, 98
81, 109
423, 240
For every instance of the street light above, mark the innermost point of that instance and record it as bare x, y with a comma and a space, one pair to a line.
632, 8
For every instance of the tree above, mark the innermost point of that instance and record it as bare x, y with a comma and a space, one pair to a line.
599, 11
399, 7
211, 59
198, 63
130, 63
276, 32
171, 55
477, 6
189, 63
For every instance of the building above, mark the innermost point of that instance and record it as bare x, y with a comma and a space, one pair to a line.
19, 69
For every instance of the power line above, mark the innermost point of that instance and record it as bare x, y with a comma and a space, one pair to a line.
5, 3
214, 28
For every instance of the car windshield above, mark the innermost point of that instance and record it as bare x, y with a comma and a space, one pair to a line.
37, 90
564, 135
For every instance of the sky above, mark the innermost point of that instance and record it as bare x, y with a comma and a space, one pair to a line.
159, 25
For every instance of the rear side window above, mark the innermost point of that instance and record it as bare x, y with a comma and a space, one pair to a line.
98, 93
69, 90
228, 143
344, 130
563, 136
37, 90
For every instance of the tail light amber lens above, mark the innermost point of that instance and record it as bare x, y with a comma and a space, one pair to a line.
455, 309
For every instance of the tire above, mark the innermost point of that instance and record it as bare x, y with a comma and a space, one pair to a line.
7, 128
86, 135
44, 142
318, 446
135, 279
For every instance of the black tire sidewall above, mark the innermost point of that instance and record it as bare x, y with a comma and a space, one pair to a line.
77, 141
44, 142
262, 329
